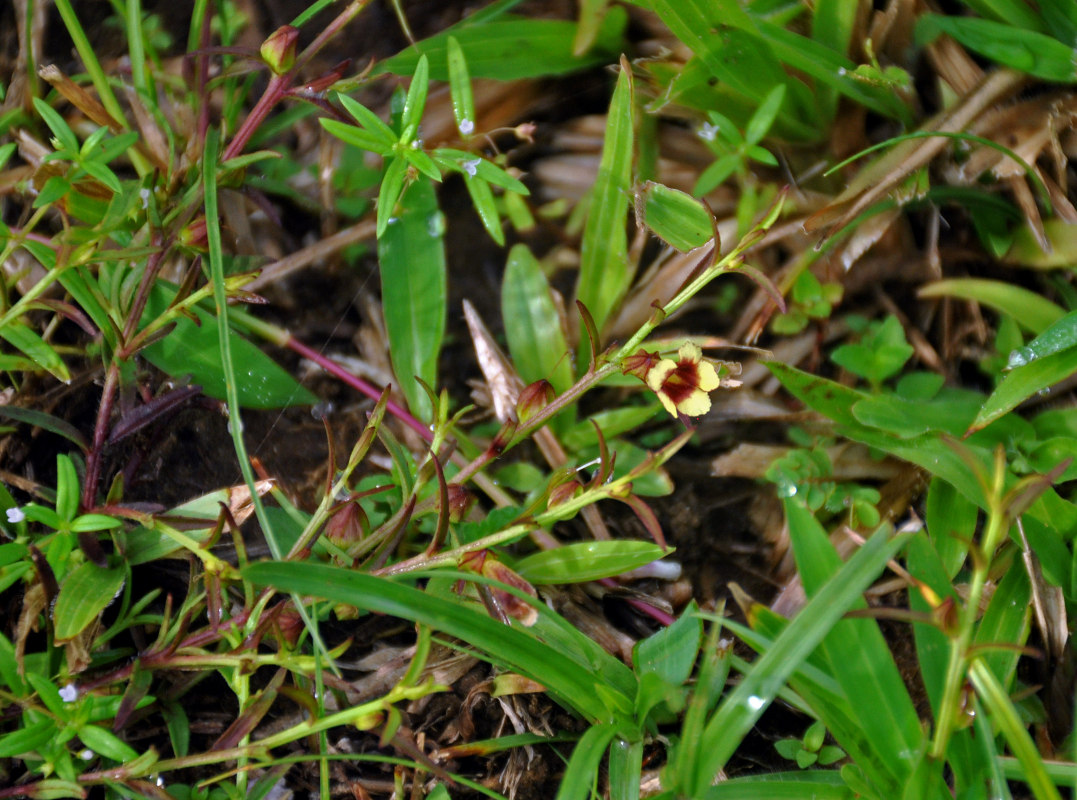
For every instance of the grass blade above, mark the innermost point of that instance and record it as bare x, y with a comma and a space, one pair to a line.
1009, 723
567, 681
745, 704
857, 652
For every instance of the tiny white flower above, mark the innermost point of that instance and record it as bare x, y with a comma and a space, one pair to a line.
15, 515
86, 754
145, 195
467, 126
708, 131
471, 167
756, 703
69, 693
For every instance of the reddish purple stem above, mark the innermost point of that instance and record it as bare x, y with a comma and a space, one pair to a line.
360, 385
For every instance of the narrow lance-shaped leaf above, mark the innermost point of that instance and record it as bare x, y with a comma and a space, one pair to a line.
604, 269
532, 325
463, 103
413, 290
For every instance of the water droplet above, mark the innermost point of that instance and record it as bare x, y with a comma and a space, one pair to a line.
323, 409
435, 225
787, 490
756, 703
1020, 357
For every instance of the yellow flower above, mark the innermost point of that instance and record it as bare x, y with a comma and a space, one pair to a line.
682, 385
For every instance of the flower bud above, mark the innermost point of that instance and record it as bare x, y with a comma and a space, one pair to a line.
460, 502
563, 493
194, 235
533, 399
639, 364
278, 51
349, 524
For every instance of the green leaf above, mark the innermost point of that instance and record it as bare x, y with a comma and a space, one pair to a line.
511, 48
554, 667
1009, 723
1006, 623
951, 524
625, 765
764, 116
463, 103
26, 340
191, 349
67, 488
27, 739
675, 217
358, 137
613, 422
587, 561
532, 325
414, 293
369, 120
106, 743
1032, 311
858, 654
1025, 381
1026, 51
929, 451
581, 774
604, 269
671, 652
390, 192
416, 100
879, 355
809, 785
60, 130
743, 706
84, 594
482, 197
39, 419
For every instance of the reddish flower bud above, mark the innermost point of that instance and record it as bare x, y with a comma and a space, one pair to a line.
563, 493
349, 524
278, 51
460, 502
288, 625
194, 234
533, 399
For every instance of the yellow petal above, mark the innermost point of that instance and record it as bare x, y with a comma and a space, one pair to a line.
668, 404
658, 374
708, 377
695, 405
690, 352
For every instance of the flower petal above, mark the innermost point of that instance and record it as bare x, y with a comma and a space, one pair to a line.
658, 374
